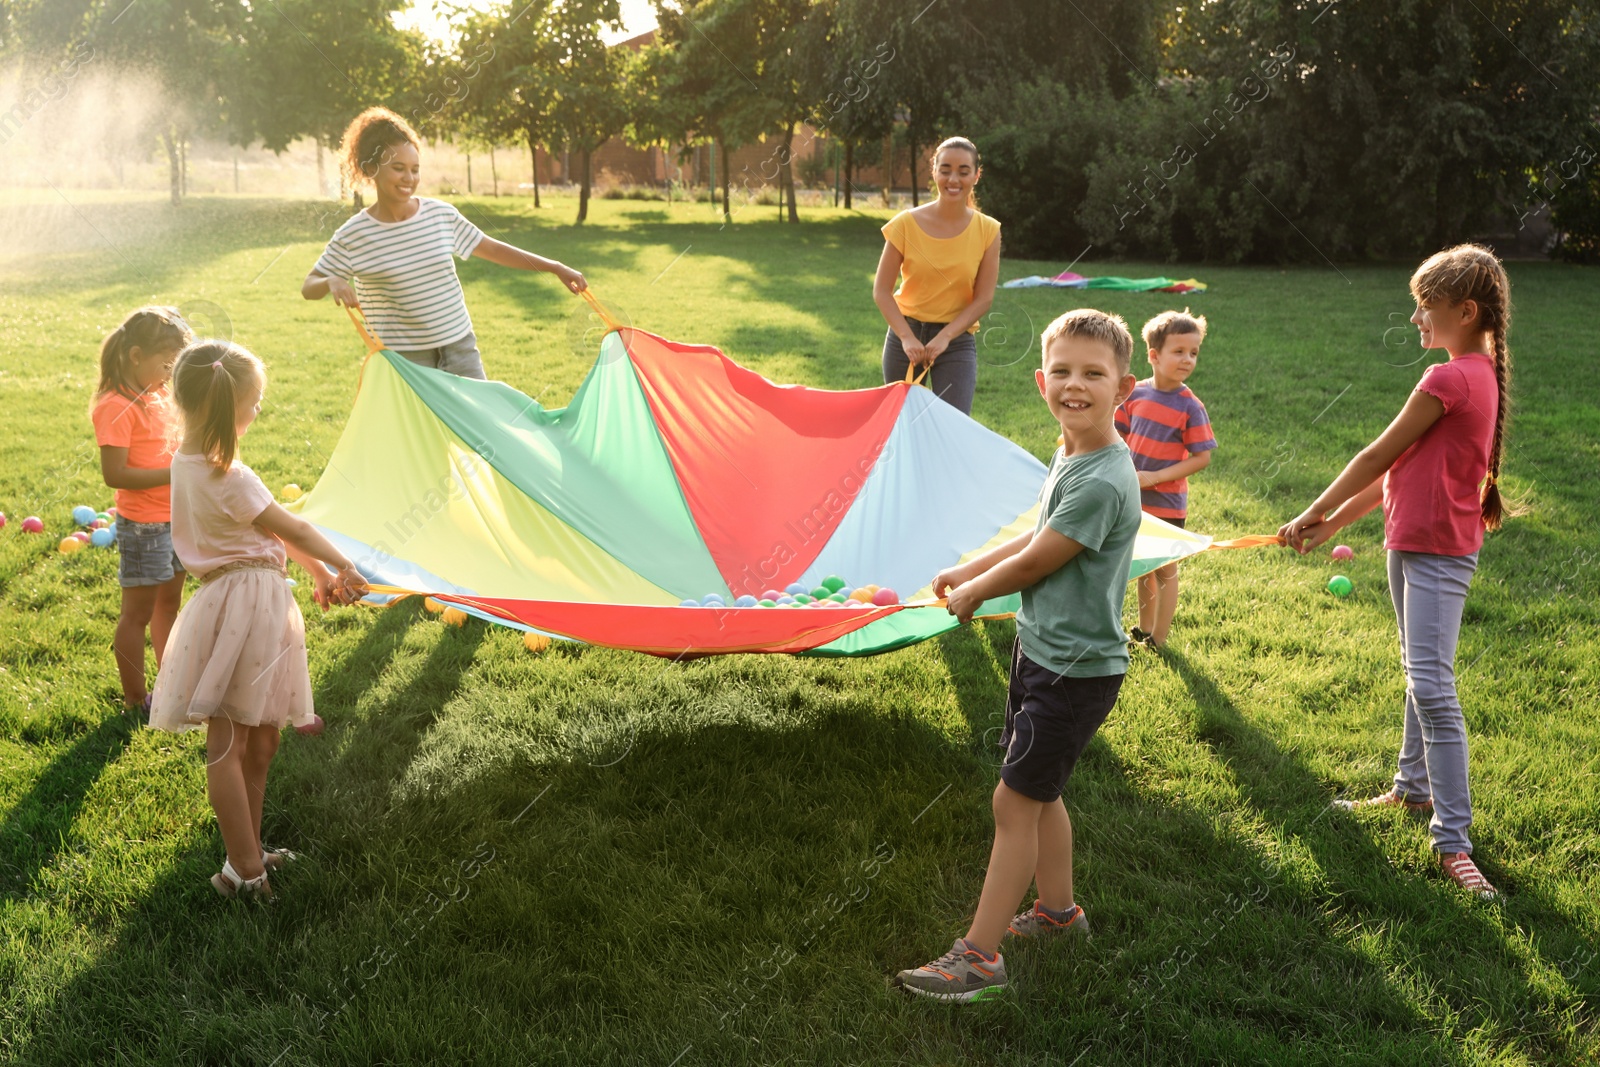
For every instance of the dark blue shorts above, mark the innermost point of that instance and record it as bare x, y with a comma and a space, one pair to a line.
1049, 721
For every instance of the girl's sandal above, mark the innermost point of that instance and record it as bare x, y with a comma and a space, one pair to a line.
275, 858
228, 883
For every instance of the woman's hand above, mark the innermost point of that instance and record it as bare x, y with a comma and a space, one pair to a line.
916, 352
935, 348
572, 279
343, 293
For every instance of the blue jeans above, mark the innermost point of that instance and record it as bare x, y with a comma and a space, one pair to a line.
459, 357
954, 376
1428, 593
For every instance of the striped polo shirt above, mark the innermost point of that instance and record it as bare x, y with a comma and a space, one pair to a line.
403, 275
1163, 428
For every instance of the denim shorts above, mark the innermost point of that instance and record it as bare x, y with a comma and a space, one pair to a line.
459, 357
145, 555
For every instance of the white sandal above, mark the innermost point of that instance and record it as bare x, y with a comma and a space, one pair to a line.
273, 859
228, 883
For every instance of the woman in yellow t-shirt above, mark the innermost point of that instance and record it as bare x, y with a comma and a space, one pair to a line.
946, 255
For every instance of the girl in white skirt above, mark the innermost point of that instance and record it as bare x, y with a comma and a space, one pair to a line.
235, 663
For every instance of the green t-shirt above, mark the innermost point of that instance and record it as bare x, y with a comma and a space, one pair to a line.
1071, 621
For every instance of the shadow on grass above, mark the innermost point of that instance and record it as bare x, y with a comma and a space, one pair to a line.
39, 824
1456, 947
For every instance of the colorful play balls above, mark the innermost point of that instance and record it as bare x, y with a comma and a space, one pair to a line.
99, 524
535, 642
33, 524
102, 537
312, 728
804, 598
69, 545
785, 600
292, 492
834, 583
886, 597
746, 601
688, 603
432, 605
838, 598
453, 617
1342, 552
1340, 586
107, 515
712, 600
2, 520
771, 594
821, 592
767, 602
81, 535
794, 589
83, 514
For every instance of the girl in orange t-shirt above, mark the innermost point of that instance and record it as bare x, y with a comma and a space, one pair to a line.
131, 422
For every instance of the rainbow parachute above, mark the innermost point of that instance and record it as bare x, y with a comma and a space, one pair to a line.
675, 473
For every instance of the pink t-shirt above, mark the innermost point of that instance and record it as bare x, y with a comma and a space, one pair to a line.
214, 514
1431, 500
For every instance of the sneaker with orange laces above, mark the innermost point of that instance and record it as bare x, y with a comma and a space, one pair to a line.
1391, 799
962, 975
1037, 921
1460, 869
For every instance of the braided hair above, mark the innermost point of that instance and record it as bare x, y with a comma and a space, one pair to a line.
1472, 272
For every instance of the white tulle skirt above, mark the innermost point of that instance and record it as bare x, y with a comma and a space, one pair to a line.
238, 650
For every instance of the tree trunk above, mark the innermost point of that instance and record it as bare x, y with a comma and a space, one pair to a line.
533, 149
583, 193
727, 211
888, 168
469, 173
183, 165
786, 176
322, 177
911, 142
170, 141
236, 174
494, 173
849, 167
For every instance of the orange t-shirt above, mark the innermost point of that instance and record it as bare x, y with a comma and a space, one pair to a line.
140, 426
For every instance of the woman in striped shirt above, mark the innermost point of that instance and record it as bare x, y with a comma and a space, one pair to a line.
397, 253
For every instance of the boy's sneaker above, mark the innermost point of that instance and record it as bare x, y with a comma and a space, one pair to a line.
1391, 799
1460, 869
961, 975
1036, 922
1137, 636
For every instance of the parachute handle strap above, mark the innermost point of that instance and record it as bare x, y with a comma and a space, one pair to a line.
610, 320
360, 322
917, 380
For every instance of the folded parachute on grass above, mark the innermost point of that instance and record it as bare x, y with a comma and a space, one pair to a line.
672, 474
1068, 280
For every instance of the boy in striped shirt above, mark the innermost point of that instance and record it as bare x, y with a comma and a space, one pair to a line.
1169, 434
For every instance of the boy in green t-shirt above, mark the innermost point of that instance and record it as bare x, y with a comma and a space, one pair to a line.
1071, 652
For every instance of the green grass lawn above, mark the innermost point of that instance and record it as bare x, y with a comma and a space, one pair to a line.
588, 856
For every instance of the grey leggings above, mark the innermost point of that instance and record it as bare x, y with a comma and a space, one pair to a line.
1429, 592
954, 376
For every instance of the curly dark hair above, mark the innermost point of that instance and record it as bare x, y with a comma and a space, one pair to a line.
368, 139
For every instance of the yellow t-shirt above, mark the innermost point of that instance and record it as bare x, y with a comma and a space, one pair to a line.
938, 274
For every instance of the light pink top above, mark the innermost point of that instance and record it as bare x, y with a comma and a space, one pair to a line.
214, 513
1431, 495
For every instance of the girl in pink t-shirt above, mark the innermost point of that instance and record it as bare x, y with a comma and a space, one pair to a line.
236, 660
1427, 468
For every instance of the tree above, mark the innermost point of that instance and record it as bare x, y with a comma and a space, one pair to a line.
310, 66
504, 63
585, 83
